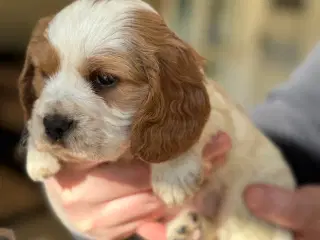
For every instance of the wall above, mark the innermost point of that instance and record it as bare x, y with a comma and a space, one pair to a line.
18, 17
251, 45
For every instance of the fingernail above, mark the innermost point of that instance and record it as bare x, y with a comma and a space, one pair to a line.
85, 225
255, 198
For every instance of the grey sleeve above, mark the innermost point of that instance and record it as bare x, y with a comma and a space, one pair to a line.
292, 110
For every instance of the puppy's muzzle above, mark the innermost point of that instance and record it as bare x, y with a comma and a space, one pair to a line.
57, 126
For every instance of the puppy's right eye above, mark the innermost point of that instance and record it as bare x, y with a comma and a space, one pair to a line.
106, 80
100, 81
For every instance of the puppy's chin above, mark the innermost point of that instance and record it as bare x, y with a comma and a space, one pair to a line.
66, 151
65, 154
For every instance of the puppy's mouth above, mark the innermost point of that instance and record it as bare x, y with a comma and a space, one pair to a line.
56, 148
62, 153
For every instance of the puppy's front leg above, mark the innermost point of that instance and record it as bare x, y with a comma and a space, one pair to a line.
175, 180
41, 165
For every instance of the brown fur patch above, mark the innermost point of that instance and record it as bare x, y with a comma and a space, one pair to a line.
41, 60
126, 97
172, 116
132, 87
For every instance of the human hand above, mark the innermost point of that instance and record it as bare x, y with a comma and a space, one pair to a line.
107, 200
297, 210
214, 154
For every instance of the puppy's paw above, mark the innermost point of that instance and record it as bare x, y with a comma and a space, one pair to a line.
41, 165
176, 180
176, 192
186, 226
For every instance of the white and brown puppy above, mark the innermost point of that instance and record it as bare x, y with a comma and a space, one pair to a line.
106, 78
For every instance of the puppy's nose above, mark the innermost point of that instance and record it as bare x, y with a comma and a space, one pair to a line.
57, 126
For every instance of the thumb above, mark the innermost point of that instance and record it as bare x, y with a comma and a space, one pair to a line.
295, 210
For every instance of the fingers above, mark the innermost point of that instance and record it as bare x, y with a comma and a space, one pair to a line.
129, 209
121, 217
152, 231
296, 210
299, 210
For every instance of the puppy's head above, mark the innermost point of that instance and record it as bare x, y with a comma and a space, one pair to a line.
104, 76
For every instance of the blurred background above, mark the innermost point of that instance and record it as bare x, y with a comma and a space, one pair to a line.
251, 46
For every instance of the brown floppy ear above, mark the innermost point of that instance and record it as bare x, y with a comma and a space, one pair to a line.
25, 82
173, 115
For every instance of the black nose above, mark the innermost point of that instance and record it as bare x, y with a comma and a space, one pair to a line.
57, 126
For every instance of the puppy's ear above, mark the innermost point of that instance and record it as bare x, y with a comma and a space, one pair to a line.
173, 115
25, 82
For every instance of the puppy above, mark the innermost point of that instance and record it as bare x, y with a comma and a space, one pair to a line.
108, 78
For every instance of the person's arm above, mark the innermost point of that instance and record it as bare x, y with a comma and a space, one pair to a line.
290, 117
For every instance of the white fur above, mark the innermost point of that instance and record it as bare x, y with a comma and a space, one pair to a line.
177, 179
88, 30
41, 165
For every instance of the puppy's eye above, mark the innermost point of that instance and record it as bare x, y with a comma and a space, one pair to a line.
100, 81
